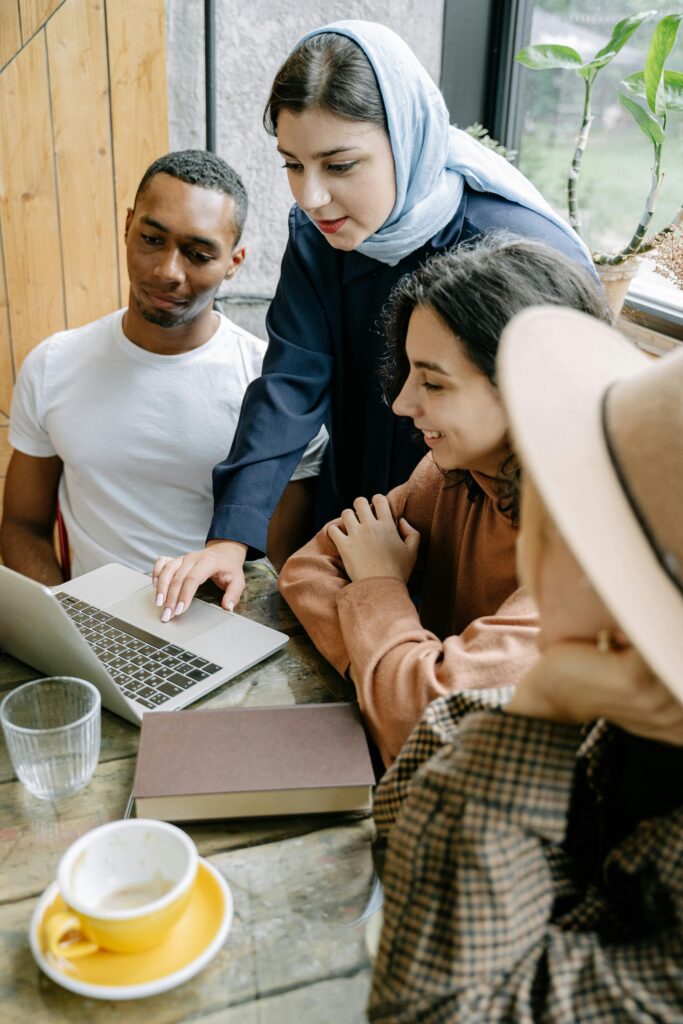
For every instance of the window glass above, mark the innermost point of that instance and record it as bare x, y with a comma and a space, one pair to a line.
615, 174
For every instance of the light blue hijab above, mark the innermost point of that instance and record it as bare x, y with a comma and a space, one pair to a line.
432, 159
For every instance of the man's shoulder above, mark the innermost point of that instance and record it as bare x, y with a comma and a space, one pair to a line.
233, 334
87, 333
67, 346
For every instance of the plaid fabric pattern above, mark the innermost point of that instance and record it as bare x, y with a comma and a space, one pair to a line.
435, 730
488, 917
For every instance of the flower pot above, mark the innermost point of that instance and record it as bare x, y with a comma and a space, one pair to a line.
616, 279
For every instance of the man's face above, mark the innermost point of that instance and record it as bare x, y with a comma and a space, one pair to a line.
180, 242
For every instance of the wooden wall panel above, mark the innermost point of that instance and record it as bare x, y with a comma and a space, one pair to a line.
5, 452
77, 58
6, 374
10, 30
34, 13
83, 112
28, 202
137, 70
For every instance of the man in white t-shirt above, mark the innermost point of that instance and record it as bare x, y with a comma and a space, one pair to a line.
124, 419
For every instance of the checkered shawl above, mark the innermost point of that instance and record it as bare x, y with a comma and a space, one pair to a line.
488, 916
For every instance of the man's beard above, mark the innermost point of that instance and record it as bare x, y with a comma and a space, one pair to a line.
166, 317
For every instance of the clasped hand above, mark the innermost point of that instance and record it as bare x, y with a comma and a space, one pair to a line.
370, 543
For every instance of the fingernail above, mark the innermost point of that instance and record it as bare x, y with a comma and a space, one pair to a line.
167, 615
180, 608
159, 600
231, 605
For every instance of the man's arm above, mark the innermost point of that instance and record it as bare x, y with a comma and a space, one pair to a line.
28, 517
291, 524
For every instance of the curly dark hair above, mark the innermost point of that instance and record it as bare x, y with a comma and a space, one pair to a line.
330, 72
208, 170
476, 289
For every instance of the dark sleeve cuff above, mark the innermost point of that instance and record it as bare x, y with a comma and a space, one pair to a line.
242, 524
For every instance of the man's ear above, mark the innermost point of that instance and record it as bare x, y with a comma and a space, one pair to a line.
236, 262
129, 219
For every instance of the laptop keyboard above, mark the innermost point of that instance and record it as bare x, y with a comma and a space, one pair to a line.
146, 669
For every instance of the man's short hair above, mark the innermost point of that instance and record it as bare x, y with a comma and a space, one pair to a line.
205, 169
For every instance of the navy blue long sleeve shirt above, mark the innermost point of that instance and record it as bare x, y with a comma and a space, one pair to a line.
325, 348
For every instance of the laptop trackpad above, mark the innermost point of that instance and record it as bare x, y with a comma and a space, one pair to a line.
139, 609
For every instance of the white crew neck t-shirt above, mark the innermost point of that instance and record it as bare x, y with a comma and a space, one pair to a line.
138, 433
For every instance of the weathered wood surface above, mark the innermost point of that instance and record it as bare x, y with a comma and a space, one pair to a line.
296, 952
298, 928
295, 675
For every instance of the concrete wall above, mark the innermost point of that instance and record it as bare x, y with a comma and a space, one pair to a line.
252, 40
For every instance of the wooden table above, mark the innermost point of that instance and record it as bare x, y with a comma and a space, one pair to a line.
302, 886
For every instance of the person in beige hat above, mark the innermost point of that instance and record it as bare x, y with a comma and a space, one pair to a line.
534, 869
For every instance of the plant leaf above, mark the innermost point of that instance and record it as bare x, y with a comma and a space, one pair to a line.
634, 84
673, 90
621, 33
646, 121
478, 132
672, 85
544, 56
663, 39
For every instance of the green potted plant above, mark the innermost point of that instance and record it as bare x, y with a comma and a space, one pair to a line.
650, 95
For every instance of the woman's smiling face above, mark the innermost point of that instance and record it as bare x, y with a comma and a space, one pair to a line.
341, 173
450, 400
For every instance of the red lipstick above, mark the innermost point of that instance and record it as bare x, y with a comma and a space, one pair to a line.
329, 227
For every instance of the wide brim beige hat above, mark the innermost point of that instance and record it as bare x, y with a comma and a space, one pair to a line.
598, 426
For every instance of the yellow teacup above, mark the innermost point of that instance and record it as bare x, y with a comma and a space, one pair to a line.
125, 885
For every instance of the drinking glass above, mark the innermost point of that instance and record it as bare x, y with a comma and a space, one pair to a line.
52, 730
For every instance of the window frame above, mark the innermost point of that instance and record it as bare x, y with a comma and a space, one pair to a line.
481, 81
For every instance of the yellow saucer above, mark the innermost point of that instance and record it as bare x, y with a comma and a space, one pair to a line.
192, 942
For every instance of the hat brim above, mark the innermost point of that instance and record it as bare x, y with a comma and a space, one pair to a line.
554, 366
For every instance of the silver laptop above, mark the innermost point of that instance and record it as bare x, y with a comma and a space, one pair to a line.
104, 627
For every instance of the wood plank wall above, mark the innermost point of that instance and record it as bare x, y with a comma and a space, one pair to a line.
83, 112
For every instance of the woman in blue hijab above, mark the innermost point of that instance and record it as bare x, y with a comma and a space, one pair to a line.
380, 182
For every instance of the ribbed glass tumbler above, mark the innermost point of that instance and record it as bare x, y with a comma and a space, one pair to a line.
52, 730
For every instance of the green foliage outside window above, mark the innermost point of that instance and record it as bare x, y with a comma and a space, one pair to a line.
618, 161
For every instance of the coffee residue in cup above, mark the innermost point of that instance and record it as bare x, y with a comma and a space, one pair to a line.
130, 897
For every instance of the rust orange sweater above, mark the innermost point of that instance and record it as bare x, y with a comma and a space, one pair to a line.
476, 627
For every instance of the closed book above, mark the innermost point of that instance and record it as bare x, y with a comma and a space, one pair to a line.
251, 762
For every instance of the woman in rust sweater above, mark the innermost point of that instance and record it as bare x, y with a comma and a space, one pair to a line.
416, 595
